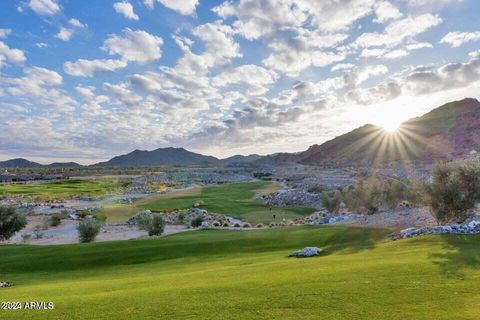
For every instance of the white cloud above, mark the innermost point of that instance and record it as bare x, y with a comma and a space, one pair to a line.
66, 33
41, 86
295, 54
86, 93
149, 4
125, 8
10, 55
396, 54
44, 7
385, 11
122, 93
90, 68
139, 46
185, 7
456, 39
421, 81
41, 45
5, 33
430, 3
399, 31
254, 76
256, 19
342, 67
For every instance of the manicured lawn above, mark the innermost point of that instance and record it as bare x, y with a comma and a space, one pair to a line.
236, 200
246, 275
58, 189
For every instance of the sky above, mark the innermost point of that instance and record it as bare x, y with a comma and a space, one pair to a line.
87, 80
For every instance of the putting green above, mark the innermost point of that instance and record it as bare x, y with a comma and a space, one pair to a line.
217, 274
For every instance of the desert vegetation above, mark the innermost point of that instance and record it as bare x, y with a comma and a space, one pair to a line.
88, 229
11, 221
454, 191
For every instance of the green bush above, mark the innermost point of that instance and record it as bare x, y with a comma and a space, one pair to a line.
56, 219
332, 200
154, 224
11, 221
454, 191
197, 221
88, 229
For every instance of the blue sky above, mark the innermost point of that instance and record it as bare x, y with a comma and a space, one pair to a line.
87, 80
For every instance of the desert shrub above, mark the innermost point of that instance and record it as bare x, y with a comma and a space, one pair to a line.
38, 232
396, 192
226, 224
56, 219
259, 225
88, 229
216, 224
237, 225
331, 200
181, 217
11, 221
26, 237
454, 191
367, 196
247, 225
196, 222
154, 224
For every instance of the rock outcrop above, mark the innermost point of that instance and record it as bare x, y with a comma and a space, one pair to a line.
306, 252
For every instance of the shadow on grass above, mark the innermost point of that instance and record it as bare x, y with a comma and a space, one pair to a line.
200, 245
354, 240
461, 252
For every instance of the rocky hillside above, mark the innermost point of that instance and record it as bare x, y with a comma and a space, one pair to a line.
159, 157
451, 131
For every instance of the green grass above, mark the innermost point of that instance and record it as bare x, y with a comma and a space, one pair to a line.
246, 275
58, 189
235, 200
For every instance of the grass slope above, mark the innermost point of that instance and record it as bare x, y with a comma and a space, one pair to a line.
246, 275
58, 189
236, 200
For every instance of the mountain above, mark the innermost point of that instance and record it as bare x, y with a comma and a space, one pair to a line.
239, 159
64, 165
19, 163
449, 132
159, 157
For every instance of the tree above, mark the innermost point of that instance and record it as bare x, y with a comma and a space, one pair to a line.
11, 221
454, 191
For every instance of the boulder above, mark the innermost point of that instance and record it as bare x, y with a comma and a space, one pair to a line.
306, 252
410, 232
4, 284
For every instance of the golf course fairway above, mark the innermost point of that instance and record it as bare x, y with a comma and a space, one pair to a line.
220, 274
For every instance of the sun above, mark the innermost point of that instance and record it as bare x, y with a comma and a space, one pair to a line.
390, 126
